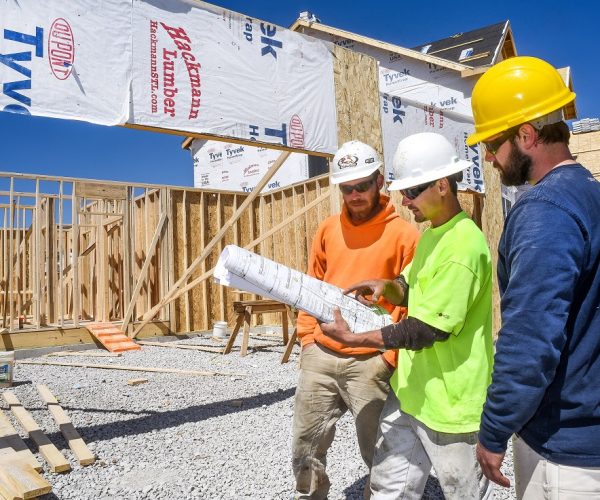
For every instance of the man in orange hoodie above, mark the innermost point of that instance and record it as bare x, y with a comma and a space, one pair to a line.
368, 238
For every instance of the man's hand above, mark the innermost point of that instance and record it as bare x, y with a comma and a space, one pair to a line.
389, 289
338, 330
490, 465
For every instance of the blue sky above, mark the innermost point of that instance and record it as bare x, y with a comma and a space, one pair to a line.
565, 34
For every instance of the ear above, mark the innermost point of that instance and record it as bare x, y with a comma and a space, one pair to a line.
379, 182
527, 136
443, 186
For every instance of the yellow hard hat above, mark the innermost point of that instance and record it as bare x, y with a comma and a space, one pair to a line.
515, 91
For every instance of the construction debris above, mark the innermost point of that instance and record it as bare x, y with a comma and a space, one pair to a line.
137, 381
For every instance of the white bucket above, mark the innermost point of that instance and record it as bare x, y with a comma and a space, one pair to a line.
7, 362
220, 330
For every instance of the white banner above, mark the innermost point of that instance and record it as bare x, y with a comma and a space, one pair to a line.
417, 96
401, 118
66, 59
204, 69
235, 167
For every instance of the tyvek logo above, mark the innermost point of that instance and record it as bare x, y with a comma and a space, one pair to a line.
348, 161
61, 49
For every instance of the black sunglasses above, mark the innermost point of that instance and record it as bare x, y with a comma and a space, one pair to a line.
361, 187
494, 145
413, 192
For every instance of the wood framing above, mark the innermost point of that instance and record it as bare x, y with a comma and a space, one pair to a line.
305, 27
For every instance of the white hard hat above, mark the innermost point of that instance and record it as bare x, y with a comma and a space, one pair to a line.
354, 160
422, 158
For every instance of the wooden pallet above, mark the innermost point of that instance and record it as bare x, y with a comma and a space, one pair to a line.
111, 337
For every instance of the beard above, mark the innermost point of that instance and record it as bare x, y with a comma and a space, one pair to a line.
517, 170
367, 211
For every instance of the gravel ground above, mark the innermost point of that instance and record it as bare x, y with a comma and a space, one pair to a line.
186, 437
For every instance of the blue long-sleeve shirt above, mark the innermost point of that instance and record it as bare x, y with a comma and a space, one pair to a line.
546, 380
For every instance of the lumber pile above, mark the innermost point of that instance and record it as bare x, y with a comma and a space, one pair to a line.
19, 470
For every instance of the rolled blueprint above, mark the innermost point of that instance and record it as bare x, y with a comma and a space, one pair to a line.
239, 268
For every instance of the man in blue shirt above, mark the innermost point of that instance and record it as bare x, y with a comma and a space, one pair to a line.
546, 382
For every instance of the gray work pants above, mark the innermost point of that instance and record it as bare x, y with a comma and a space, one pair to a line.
405, 451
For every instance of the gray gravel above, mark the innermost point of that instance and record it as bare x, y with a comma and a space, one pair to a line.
186, 437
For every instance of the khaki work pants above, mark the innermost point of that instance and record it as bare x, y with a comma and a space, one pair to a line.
328, 386
539, 479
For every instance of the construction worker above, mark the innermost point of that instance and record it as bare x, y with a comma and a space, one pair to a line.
445, 344
368, 238
545, 386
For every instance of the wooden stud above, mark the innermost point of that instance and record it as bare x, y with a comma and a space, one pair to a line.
186, 260
61, 256
133, 368
81, 451
10, 274
56, 460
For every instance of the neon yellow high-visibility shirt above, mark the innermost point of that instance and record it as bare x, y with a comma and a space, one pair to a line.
450, 288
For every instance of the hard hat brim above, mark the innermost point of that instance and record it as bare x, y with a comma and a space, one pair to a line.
336, 178
413, 181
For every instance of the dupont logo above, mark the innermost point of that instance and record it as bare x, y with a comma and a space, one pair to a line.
348, 161
251, 170
296, 133
61, 49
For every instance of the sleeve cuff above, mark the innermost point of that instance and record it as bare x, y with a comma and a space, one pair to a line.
493, 442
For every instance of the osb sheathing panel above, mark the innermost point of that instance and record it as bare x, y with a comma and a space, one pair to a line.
492, 223
357, 98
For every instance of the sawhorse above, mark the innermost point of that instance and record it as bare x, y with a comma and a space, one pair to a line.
246, 308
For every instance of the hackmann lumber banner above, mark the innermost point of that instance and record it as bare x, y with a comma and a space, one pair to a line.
173, 64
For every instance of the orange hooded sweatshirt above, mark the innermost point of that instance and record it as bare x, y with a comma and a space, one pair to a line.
343, 254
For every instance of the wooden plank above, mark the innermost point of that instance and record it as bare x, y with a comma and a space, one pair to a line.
10, 441
10, 275
19, 480
203, 267
61, 255
37, 224
127, 246
133, 368
81, 451
306, 27
102, 190
91, 354
168, 253
56, 460
222, 313
215, 240
186, 261
181, 346
137, 381
5, 262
